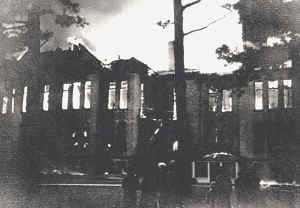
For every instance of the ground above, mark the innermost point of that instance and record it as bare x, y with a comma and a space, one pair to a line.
112, 196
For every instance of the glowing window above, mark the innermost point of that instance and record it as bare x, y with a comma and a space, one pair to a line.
24, 103
65, 96
258, 95
123, 94
111, 95
142, 115
76, 95
273, 94
212, 100
87, 94
174, 105
46, 98
287, 94
13, 100
4, 105
227, 101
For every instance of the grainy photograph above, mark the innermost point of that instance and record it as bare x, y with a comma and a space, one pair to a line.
149, 103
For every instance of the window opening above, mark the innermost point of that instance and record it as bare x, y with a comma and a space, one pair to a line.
76, 95
46, 98
273, 94
87, 94
123, 94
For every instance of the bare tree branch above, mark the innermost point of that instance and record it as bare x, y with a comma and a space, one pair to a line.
211, 23
190, 4
196, 30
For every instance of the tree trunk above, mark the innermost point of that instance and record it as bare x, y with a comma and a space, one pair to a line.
26, 161
34, 32
180, 87
180, 84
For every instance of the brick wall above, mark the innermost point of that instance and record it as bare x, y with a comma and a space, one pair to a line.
193, 110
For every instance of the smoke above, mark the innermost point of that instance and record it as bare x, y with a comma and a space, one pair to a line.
97, 13
106, 8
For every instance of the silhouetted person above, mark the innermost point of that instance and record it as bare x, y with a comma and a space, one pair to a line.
211, 195
223, 189
164, 191
148, 186
247, 189
148, 171
173, 197
130, 185
103, 161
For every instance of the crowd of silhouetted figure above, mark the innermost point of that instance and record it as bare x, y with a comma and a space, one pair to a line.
159, 186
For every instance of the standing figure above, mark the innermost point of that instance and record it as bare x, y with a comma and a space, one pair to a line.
148, 172
163, 186
223, 189
130, 186
211, 195
247, 189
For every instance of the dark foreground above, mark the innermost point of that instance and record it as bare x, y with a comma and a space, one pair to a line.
112, 195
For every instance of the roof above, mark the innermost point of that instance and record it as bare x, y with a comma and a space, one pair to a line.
122, 67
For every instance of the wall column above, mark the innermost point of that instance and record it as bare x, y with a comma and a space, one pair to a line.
93, 125
193, 108
134, 102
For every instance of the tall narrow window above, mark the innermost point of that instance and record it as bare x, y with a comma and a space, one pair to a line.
212, 100
111, 95
174, 105
13, 100
65, 96
123, 94
46, 98
273, 94
4, 105
76, 95
227, 101
258, 95
142, 115
87, 94
287, 94
24, 103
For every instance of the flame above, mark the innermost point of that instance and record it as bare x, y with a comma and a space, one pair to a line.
73, 40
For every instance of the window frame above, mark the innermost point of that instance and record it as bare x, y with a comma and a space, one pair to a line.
46, 98
287, 88
112, 95
13, 97
87, 104
5, 102
276, 89
229, 101
255, 95
212, 106
76, 95
25, 99
65, 94
123, 101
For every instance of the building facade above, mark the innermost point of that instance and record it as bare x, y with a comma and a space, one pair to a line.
257, 122
75, 113
71, 113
